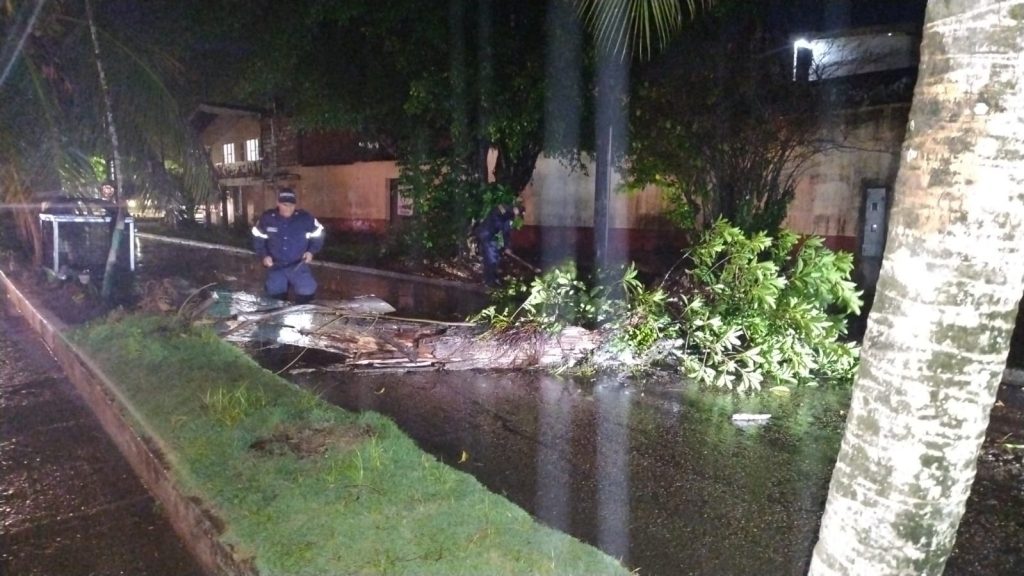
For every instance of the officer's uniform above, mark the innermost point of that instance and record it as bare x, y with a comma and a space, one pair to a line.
493, 236
285, 240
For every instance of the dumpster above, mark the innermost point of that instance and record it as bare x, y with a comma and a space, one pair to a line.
76, 236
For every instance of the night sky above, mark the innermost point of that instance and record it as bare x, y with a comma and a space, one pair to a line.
830, 15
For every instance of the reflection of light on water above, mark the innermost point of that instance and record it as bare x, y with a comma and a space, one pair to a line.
293, 329
612, 468
554, 454
564, 451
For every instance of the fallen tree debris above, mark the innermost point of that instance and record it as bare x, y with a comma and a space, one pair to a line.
362, 332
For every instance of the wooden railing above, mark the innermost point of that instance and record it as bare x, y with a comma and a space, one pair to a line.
250, 169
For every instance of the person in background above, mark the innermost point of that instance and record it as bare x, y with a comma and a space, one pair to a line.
108, 198
285, 239
493, 236
107, 191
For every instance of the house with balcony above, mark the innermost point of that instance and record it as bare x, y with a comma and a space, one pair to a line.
234, 141
349, 183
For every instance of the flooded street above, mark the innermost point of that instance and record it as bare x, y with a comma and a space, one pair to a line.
654, 474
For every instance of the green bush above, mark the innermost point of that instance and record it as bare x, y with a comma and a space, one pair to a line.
639, 318
758, 310
550, 302
745, 311
447, 195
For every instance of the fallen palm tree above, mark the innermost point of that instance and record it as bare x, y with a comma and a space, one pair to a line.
362, 331
739, 310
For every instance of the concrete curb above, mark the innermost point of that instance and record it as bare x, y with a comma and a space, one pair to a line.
197, 527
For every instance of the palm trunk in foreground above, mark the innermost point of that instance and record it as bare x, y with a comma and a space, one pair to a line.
940, 328
118, 230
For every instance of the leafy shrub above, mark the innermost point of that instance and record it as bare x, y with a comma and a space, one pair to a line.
447, 195
745, 311
552, 301
756, 309
640, 318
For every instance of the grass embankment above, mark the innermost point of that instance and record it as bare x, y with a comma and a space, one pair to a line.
306, 487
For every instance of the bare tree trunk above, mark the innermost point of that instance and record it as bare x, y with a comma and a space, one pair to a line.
610, 137
118, 230
940, 328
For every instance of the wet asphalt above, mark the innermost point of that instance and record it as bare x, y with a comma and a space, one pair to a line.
668, 486
69, 502
656, 476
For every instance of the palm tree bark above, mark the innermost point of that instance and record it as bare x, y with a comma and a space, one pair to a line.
940, 328
118, 229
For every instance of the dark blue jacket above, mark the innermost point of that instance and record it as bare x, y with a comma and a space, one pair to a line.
496, 224
285, 239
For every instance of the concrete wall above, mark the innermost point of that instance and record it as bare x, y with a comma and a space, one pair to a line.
560, 202
559, 197
559, 219
348, 197
830, 192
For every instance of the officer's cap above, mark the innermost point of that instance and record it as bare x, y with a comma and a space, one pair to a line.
286, 196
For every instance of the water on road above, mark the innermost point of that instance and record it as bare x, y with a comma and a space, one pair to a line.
650, 472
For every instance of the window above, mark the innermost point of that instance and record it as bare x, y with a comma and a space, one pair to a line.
229, 153
252, 149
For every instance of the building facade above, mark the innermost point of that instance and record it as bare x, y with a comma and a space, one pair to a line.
843, 194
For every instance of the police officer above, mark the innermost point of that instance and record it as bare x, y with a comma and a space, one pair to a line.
493, 237
286, 239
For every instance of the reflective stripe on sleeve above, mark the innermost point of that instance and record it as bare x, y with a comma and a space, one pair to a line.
318, 231
258, 233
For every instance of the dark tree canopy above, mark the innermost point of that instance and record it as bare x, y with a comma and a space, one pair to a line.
719, 123
422, 79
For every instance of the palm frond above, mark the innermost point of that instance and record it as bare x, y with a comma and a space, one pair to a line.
52, 118
636, 26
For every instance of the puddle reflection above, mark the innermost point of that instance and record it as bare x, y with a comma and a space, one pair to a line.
660, 477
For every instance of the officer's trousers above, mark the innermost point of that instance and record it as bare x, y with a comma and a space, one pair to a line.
298, 276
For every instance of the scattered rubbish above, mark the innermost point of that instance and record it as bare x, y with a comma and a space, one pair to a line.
745, 417
744, 420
